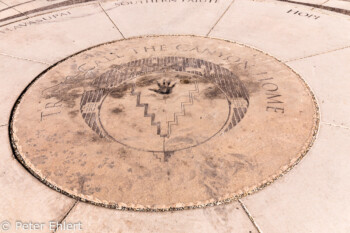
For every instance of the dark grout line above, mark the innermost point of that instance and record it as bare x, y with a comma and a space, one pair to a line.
99, 3
249, 216
324, 2
211, 29
320, 6
25, 59
50, 11
13, 6
317, 54
66, 215
45, 8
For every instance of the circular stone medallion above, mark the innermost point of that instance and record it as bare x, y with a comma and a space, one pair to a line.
159, 123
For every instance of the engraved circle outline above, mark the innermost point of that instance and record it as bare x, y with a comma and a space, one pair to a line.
187, 206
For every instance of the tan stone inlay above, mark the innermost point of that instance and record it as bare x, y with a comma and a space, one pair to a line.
159, 123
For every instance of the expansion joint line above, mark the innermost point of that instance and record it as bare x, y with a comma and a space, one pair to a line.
14, 7
317, 54
25, 59
66, 215
249, 216
324, 2
99, 3
211, 29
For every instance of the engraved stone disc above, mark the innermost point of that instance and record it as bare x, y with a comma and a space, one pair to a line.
159, 123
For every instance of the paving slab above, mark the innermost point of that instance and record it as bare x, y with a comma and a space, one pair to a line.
136, 18
17, 10
15, 80
220, 219
6, 11
299, 33
24, 199
29, 7
330, 83
75, 29
313, 196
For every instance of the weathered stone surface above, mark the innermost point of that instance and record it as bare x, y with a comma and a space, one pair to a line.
219, 219
23, 198
164, 122
313, 196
